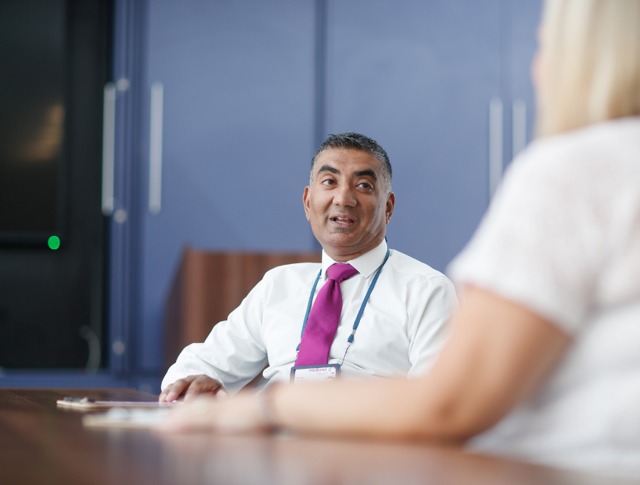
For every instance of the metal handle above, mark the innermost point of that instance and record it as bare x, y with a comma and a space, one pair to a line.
519, 120
155, 148
495, 144
108, 147
93, 342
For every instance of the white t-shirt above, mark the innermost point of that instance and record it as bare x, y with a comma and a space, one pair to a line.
562, 238
401, 332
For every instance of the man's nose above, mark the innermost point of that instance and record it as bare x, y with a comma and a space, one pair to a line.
345, 196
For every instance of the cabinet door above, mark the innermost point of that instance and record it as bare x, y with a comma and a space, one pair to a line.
524, 19
418, 77
238, 121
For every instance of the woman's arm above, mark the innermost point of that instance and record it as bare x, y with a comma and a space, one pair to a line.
498, 354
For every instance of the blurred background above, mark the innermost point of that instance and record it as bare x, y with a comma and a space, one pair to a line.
133, 129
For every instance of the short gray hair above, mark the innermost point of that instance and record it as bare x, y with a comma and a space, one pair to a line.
356, 141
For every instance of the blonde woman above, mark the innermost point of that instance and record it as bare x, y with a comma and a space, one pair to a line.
544, 360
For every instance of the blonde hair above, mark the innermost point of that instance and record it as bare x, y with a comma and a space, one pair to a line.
591, 63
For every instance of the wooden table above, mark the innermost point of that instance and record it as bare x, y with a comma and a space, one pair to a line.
40, 444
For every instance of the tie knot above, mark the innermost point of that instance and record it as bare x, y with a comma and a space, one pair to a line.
340, 272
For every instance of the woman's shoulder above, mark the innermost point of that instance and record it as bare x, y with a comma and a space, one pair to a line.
606, 154
613, 141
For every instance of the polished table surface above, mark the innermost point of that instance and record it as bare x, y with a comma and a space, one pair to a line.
41, 444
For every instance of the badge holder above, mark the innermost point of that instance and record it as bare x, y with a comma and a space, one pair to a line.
314, 373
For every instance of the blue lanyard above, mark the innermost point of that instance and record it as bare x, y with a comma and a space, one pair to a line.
364, 303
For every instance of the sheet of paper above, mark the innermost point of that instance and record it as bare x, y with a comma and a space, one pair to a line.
86, 404
126, 418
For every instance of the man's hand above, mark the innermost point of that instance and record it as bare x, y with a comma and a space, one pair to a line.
189, 387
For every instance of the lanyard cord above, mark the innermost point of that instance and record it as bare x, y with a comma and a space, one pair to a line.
306, 315
364, 304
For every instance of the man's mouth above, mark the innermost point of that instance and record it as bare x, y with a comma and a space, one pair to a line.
342, 220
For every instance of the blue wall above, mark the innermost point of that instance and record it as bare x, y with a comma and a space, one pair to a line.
244, 110
250, 90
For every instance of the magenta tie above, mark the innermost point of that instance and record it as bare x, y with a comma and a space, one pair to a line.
324, 317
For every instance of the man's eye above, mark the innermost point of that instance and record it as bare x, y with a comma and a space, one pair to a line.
365, 185
327, 182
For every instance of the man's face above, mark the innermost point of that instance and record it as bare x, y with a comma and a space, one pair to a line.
346, 203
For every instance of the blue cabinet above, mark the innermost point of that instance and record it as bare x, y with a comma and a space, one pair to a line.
418, 77
238, 125
248, 89
524, 17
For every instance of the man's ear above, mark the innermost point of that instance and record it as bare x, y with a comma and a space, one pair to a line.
305, 202
391, 203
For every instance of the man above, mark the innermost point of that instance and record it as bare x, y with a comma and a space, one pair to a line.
349, 203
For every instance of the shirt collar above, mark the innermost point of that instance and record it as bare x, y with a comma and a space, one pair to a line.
365, 264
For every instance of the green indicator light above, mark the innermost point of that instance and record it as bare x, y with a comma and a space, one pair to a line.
54, 242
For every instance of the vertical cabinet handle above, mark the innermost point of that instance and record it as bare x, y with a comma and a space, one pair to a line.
495, 144
155, 148
519, 126
108, 147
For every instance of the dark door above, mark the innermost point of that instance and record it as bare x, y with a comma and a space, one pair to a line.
54, 56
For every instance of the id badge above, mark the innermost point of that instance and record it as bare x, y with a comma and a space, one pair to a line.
314, 373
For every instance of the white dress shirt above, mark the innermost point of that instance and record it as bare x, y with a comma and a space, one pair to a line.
562, 238
401, 331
